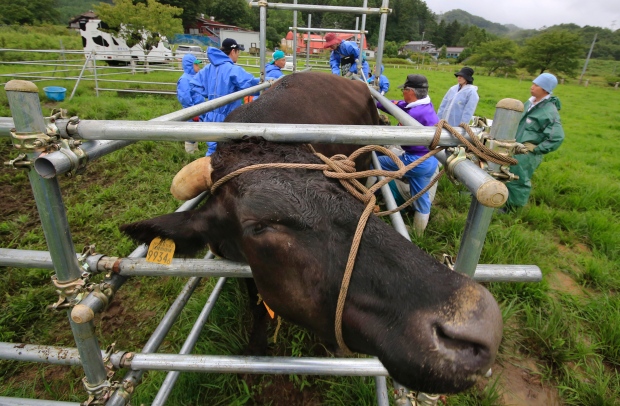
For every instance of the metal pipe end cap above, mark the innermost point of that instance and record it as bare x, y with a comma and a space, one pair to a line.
82, 314
21, 86
492, 194
510, 104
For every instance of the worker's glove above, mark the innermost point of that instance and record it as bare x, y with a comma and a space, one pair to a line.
529, 146
196, 119
348, 75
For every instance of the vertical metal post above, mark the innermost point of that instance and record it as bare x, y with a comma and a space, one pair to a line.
295, 38
79, 78
263, 37
23, 98
358, 36
308, 37
505, 123
382, 29
585, 65
94, 61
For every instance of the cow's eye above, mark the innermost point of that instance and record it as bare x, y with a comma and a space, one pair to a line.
258, 228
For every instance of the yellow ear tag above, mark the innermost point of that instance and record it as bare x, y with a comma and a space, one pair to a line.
160, 251
271, 312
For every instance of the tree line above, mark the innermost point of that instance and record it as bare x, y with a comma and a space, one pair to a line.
555, 48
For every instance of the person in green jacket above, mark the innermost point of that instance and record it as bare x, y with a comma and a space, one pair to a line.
540, 131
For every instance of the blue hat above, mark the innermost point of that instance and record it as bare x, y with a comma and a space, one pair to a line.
277, 55
547, 81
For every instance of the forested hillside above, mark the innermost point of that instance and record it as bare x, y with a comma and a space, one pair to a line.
463, 17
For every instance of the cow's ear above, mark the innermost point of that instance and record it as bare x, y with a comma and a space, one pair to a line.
179, 227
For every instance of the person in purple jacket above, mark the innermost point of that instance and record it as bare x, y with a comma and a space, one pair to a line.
418, 105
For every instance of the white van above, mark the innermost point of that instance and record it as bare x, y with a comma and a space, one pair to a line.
195, 50
115, 50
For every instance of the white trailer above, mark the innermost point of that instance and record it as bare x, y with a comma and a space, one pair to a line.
115, 50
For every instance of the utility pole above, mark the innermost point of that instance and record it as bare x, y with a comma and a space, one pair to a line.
585, 65
422, 47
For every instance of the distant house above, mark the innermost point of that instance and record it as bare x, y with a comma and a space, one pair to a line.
82, 18
217, 31
454, 52
316, 42
417, 46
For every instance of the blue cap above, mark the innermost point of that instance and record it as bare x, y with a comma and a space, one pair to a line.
547, 81
277, 55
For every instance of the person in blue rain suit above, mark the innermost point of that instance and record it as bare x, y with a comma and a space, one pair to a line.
219, 78
345, 54
273, 70
384, 83
191, 66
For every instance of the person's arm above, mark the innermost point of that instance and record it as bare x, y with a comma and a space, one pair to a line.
470, 107
443, 105
334, 62
384, 84
242, 79
183, 92
553, 136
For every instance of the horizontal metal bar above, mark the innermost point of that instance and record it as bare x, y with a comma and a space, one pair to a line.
306, 29
224, 268
4, 401
40, 353
258, 365
328, 9
6, 125
137, 91
323, 133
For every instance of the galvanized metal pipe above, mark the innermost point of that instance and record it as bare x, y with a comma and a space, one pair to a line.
306, 8
395, 218
25, 106
5, 401
302, 133
48, 354
327, 30
94, 303
262, 37
382, 30
6, 124
257, 365
295, 38
57, 163
308, 39
136, 266
121, 396
487, 190
190, 342
506, 120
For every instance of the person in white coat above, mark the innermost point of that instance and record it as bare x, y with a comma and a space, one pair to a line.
459, 103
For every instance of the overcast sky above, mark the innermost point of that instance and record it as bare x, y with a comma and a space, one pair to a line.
537, 13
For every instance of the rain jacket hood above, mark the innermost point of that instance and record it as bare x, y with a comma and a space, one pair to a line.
188, 64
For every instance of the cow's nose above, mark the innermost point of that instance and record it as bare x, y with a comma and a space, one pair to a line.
471, 337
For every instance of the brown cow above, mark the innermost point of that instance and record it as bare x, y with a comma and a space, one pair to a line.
433, 329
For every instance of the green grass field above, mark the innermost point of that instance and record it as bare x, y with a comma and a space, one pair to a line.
561, 339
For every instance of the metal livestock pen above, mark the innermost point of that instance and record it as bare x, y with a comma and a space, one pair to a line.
77, 142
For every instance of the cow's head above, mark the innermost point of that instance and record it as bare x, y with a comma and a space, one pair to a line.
435, 330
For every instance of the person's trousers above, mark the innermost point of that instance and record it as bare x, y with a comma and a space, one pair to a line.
418, 177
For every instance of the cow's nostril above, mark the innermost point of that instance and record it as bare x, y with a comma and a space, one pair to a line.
459, 344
